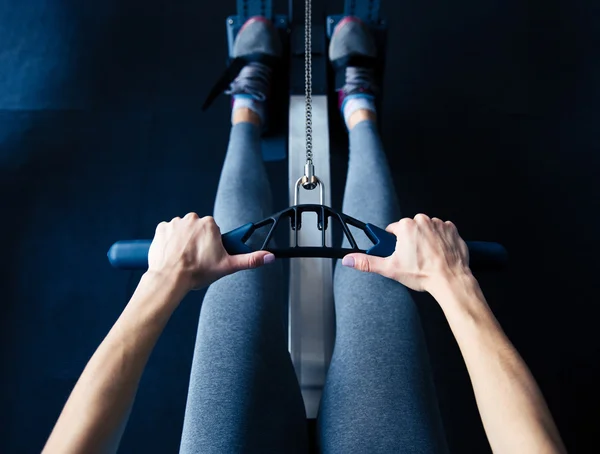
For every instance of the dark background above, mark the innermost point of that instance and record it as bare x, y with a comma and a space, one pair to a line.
489, 119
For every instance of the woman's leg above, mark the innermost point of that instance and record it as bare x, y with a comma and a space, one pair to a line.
243, 394
379, 396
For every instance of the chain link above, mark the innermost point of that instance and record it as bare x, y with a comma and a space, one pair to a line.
308, 77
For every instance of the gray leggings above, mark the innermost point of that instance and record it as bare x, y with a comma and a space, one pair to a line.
243, 394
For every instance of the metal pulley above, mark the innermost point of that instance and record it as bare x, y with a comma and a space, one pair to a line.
309, 180
316, 182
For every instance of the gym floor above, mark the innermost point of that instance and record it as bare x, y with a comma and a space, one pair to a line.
489, 118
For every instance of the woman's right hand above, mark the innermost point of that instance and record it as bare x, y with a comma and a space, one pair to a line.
428, 253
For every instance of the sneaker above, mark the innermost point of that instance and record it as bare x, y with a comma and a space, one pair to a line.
256, 51
353, 54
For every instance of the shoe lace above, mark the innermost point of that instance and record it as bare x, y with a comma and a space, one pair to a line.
359, 78
253, 80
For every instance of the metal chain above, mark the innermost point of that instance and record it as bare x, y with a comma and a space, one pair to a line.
308, 77
309, 181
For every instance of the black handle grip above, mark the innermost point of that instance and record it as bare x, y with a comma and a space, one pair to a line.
133, 254
482, 255
487, 256
129, 254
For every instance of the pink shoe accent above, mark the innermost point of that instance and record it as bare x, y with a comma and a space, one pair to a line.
341, 97
346, 20
256, 19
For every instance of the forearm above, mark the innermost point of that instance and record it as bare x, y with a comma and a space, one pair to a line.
512, 408
103, 395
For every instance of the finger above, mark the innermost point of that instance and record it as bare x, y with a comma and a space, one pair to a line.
396, 227
465, 250
421, 218
209, 221
160, 227
452, 227
191, 215
365, 263
390, 228
250, 261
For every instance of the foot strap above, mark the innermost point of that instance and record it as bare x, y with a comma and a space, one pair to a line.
233, 70
359, 61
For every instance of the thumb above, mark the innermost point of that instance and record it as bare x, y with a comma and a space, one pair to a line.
364, 262
249, 261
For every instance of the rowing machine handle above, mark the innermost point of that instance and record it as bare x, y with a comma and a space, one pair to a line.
483, 255
133, 254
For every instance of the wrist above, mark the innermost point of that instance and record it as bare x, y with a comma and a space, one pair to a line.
457, 292
170, 289
451, 280
174, 282
151, 306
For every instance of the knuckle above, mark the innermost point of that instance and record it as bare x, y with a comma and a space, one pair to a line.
438, 224
465, 251
191, 215
176, 218
214, 226
209, 222
451, 227
253, 262
421, 217
161, 226
364, 265
405, 221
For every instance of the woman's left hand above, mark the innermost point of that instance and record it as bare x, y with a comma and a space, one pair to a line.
190, 251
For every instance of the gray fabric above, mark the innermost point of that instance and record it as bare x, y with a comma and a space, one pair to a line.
379, 395
351, 38
257, 36
243, 394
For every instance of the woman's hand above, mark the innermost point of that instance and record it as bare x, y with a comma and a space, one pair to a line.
428, 252
190, 251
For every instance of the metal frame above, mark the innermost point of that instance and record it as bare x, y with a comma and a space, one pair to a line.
249, 8
311, 313
367, 10
311, 307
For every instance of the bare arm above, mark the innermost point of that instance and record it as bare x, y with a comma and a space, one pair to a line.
185, 254
430, 256
512, 408
93, 416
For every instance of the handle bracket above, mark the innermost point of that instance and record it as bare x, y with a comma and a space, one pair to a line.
133, 254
